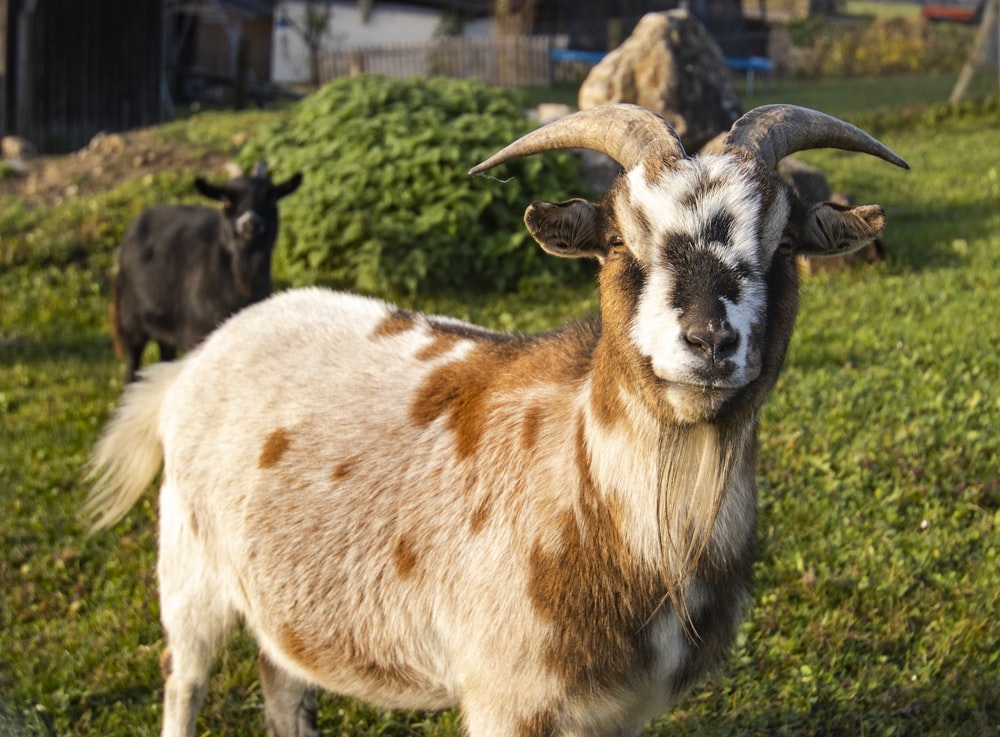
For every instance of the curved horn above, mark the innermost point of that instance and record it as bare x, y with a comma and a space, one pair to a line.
626, 133
772, 132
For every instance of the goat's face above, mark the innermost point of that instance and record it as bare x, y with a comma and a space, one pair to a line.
703, 234
250, 207
695, 254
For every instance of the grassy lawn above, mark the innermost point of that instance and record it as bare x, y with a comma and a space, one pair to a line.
876, 598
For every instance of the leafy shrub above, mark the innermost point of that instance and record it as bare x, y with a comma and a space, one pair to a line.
825, 48
387, 206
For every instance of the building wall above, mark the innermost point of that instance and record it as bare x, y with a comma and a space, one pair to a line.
81, 68
386, 24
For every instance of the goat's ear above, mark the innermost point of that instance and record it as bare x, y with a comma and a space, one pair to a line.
286, 187
833, 230
209, 190
567, 229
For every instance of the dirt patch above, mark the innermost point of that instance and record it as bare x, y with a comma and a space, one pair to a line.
103, 164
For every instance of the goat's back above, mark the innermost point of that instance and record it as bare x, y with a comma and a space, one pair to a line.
174, 283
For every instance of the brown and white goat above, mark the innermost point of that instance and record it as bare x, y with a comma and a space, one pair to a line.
553, 532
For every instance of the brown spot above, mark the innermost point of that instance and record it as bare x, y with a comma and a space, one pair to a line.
166, 663
480, 516
441, 344
274, 448
309, 656
540, 724
344, 469
396, 322
405, 557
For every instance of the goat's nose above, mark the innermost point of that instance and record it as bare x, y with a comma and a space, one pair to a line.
717, 340
250, 225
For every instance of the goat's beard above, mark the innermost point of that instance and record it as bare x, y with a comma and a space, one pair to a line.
692, 403
697, 467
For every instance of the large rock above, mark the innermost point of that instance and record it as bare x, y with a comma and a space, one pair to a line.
671, 65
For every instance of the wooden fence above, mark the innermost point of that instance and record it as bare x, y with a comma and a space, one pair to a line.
508, 62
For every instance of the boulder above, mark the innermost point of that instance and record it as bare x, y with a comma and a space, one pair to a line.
15, 147
671, 65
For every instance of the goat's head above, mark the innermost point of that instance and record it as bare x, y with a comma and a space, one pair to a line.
249, 204
698, 279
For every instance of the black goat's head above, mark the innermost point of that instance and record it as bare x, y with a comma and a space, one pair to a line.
249, 205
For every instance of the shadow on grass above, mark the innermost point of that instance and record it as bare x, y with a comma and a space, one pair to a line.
954, 704
24, 722
924, 240
90, 350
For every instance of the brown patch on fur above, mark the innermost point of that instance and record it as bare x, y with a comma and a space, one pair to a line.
405, 557
534, 417
540, 724
467, 391
439, 346
274, 448
344, 469
480, 516
166, 663
343, 649
597, 598
309, 656
656, 167
616, 362
396, 322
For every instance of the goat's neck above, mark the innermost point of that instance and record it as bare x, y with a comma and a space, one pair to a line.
690, 486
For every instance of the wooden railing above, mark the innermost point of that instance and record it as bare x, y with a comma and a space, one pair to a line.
515, 61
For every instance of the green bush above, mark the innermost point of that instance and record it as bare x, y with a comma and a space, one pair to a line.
387, 206
868, 48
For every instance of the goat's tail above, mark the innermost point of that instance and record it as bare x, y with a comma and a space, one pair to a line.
129, 452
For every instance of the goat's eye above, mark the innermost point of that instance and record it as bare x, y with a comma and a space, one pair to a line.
617, 244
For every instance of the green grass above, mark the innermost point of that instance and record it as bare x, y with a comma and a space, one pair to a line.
908, 10
876, 598
860, 97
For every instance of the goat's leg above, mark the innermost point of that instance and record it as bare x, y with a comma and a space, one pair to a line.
133, 359
167, 352
196, 612
184, 693
289, 704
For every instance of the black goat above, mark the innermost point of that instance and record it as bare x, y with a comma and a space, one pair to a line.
184, 269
